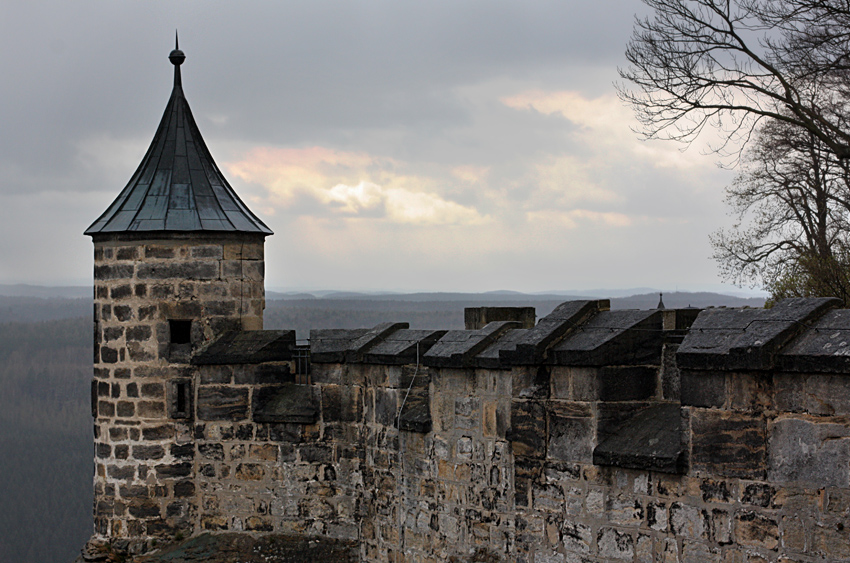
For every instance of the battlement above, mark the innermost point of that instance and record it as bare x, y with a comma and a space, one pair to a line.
613, 435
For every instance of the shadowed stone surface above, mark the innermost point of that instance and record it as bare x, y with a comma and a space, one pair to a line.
650, 440
416, 415
227, 548
489, 357
248, 347
371, 338
532, 347
404, 346
328, 346
286, 403
824, 347
630, 336
747, 338
728, 444
458, 348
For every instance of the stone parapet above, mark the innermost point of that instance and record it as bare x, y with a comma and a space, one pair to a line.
424, 446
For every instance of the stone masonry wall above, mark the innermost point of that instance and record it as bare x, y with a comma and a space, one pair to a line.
352, 474
771, 491
675, 447
144, 479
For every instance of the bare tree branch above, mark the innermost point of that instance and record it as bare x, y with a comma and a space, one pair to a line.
730, 63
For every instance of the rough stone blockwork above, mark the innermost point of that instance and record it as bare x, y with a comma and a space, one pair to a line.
155, 302
596, 436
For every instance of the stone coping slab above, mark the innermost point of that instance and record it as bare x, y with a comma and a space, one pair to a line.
823, 348
490, 356
748, 339
328, 346
631, 336
248, 347
458, 348
534, 344
405, 346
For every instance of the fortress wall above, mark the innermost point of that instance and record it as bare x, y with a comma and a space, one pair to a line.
644, 440
766, 482
352, 473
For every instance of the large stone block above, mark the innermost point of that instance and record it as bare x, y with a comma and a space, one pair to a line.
103, 272
703, 388
178, 270
809, 451
528, 429
756, 530
614, 544
342, 403
290, 403
728, 444
823, 394
572, 432
629, 383
222, 403
386, 406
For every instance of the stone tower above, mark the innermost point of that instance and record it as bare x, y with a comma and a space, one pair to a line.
178, 261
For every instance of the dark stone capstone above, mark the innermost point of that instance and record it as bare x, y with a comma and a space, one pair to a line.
286, 403
748, 339
222, 403
650, 440
248, 347
268, 548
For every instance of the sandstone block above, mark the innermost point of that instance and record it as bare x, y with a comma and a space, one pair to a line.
178, 270
249, 472
341, 403
728, 444
614, 544
756, 530
144, 509
571, 438
222, 403
528, 429
159, 251
688, 521
104, 272
809, 451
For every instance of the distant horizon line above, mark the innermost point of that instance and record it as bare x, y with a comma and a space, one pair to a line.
731, 291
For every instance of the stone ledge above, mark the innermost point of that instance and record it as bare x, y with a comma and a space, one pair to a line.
649, 440
271, 548
532, 347
748, 339
248, 347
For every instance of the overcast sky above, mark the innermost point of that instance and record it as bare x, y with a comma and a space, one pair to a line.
443, 146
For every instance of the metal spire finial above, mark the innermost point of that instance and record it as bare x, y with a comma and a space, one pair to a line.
176, 57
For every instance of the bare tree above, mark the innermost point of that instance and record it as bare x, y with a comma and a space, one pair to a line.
730, 64
792, 199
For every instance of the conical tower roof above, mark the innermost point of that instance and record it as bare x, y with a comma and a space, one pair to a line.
178, 187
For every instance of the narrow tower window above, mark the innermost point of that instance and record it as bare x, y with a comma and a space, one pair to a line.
180, 398
181, 331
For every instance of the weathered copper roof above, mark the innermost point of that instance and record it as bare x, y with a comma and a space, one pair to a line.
178, 186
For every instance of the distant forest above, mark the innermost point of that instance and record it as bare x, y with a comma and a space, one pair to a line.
45, 371
45, 440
